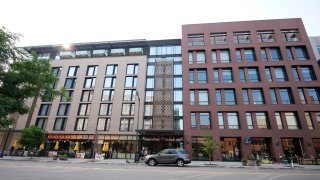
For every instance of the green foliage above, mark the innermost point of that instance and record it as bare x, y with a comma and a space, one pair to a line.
21, 77
210, 146
32, 137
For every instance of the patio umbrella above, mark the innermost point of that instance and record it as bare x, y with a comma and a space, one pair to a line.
76, 147
56, 147
41, 146
105, 147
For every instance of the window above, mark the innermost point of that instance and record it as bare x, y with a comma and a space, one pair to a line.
105, 109
249, 120
177, 95
148, 110
70, 83
203, 97
177, 69
280, 74
301, 96
214, 56
87, 95
84, 109
56, 71
253, 75
205, 122
92, 70
242, 75
147, 124
68, 97
111, 69
216, 76
295, 74
150, 82
225, 56
201, 57
229, 95
73, 70
314, 95
132, 68
286, 96
131, 81
218, 38
265, 36
317, 114
150, 71
107, 95
278, 120
302, 53
193, 120
178, 110
126, 124
249, 55
245, 96
192, 97
257, 96
308, 73
218, 97
128, 109
275, 54
165, 50
195, 39
273, 96
103, 124
220, 120
290, 35
41, 123
233, 122
238, 54
227, 75
292, 120
149, 96
81, 124
268, 74
109, 82
264, 54
241, 37
190, 57
89, 82
63, 110
202, 76
44, 110
191, 76
262, 120
130, 95
289, 53
59, 124
177, 82
309, 121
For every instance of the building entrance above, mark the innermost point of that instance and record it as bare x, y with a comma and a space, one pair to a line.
230, 149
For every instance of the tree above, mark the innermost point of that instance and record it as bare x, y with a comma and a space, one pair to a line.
210, 146
21, 77
32, 137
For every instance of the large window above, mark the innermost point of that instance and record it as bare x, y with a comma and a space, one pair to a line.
302, 96
292, 120
150, 82
302, 53
192, 97
295, 74
148, 110
81, 124
128, 109
278, 120
233, 121
216, 75
109, 82
205, 121
290, 35
220, 120
266, 36
202, 76
92, 70
239, 56
262, 120
273, 96
286, 96
218, 97
73, 70
309, 120
249, 120
177, 69
131, 81
63, 110
257, 96
126, 124
314, 95
308, 73
105, 109
150, 70
149, 96
177, 96
280, 74
177, 82
103, 124
225, 56
70, 83
41, 123
147, 124
60, 124
178, 110
229, 95
214, 56
275, 54
87, 95
195, 39
203, 97
289, 53
253, 75
201, 57
249, 55
241, 37
193, 120
132, 68
242, 75
245, 96
264, 54
218, 38
191, 76
130, 95
111, 69
268, 74
107, 95
227, 75
190, 57
89, 83
56, 71
44, 110
84, 109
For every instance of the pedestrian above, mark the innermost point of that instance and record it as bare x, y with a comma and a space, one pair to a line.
11, 150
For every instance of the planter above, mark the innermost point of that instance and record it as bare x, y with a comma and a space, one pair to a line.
63, 158
244, 163
54, 157
252, 162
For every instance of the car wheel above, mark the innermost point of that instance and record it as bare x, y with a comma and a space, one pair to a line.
152, 162
180, 163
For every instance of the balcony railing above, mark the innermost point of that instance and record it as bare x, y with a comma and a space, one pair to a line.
67, 54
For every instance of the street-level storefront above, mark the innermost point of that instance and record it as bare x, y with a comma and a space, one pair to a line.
316, 145
292, 147
230, 148
261, 146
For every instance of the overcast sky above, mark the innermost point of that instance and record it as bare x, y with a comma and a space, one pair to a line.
43, 22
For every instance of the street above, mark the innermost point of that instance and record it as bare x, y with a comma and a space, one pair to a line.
25, 170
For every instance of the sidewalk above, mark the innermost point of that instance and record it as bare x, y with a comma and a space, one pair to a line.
217, 164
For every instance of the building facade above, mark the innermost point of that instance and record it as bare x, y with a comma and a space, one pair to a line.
253, 86
315, 43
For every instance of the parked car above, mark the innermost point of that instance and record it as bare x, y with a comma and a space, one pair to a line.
169, 156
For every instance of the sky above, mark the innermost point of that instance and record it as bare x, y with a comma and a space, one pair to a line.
45, 22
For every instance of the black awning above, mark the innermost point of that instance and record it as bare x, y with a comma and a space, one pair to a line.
160, 132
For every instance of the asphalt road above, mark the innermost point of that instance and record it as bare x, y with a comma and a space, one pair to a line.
24, 170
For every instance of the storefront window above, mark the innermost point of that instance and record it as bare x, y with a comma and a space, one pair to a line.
230, 149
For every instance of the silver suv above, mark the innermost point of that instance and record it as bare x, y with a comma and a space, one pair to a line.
169, 156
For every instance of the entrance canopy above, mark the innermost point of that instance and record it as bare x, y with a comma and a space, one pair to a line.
160, 132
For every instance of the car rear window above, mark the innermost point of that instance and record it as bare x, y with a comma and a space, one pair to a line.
183, 151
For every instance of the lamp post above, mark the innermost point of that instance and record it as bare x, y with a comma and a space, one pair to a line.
137, 134
5, 142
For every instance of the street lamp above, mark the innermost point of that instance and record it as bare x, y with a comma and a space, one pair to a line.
137, 134
5, 142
